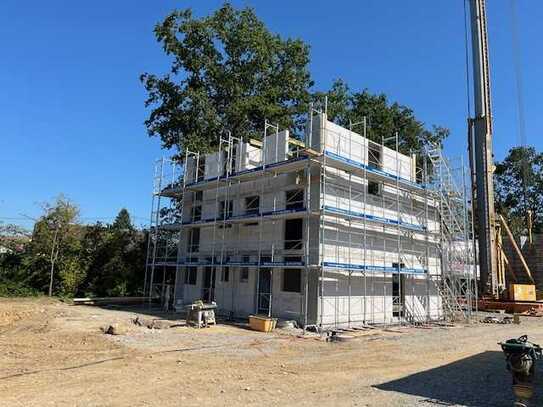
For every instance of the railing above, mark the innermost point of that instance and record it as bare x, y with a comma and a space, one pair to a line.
454, 229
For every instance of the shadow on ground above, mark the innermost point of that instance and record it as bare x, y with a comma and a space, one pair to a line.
478, 381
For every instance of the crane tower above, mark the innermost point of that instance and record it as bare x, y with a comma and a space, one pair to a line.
481, 157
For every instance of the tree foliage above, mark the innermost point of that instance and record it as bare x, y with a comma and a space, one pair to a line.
13, 240
383, 118
116, 260
101, 260
55, 239
122, 222
228, 73
519, 187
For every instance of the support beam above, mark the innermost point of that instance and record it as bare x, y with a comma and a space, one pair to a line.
517, 249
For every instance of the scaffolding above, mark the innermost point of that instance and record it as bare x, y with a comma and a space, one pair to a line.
458, 280
161, 264
384, 240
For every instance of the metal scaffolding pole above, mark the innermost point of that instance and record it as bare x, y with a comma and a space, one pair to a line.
323, 215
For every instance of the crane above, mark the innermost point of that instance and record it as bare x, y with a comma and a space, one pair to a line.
492, 276
480, 151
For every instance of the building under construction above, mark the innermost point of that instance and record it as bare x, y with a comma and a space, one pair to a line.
332, 230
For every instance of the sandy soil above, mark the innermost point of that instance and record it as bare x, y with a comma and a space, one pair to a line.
54, 354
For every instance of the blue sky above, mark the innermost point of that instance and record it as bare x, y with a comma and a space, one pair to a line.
71, 104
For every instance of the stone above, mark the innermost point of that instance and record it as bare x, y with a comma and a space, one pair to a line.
114, 329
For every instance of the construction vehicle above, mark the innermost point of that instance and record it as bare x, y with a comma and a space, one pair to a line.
493, 262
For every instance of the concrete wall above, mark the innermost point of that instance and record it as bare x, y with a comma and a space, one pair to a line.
214, 165
248, 157
276, 147
191, 293
286, 305
370, 299
397, 164
232, 296
356, 197
247, 239
189, 170
345, 143
271, 190
238, 298
331, 137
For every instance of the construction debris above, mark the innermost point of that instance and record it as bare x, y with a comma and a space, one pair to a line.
152, 323
287, 324
534, 312
109, 300
496, 320
333, 336
113, 330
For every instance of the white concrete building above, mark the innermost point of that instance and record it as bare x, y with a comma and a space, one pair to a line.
335, 230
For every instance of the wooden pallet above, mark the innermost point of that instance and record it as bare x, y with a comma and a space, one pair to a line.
109, 300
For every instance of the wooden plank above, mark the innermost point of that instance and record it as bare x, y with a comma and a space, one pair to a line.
310, 152
514, 243
296, 142
108, 300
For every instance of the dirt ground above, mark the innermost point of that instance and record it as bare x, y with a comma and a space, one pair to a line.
54, 354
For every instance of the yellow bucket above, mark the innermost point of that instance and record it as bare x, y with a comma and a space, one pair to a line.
262, 323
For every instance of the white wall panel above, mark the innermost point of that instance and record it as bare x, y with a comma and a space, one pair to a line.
276, 147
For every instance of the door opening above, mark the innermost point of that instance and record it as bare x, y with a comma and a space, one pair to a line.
208, 291
398, 293
264, 291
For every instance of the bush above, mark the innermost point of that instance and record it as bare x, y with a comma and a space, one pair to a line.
16, 289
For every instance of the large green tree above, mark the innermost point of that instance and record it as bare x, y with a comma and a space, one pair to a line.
229, 72
519, 188
383, 118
